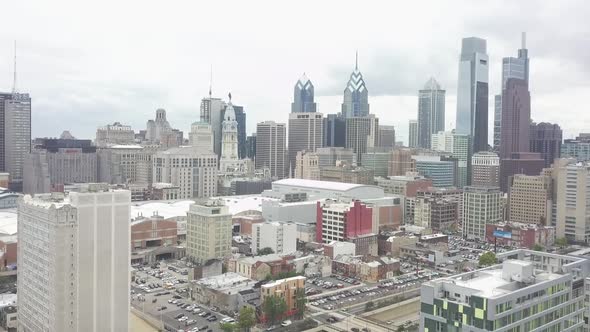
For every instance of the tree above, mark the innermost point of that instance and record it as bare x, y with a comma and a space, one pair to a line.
265, 251
246, 318
538, 247
369, 306
300, 301
227, 327
488, 258
274, 307
561, 242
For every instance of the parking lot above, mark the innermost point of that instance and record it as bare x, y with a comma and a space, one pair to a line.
315, 286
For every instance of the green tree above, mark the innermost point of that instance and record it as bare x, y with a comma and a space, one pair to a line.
274, 307
300, 301
227, 327
369, 306
246, 318
561, 242
538, 247
487, 259
265, 251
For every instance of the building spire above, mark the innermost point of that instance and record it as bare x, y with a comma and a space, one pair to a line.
14, 77
356, 61
523, 38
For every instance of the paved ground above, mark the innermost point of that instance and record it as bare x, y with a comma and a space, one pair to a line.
137, 324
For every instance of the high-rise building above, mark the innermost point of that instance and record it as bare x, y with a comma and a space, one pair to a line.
305, 133
573, 202
356, 95
330, 156
229, 140
413, 134
212, 113
462, 152
516, 118
73, 261
160, 132
347, 174
130, 164
485, 169
114, 134
55, 162
436, 213
511, 68
528, 163
442, 141
3, 98
361, 134
503, 297
377, 160
334, 130
431, 112
481, 206
271, 150
307, 166
303, 96
241, 120
576, 148
194, 172
17, 137
278, 236
201, 137
545, 138
529, 199
401, 162
209, 231
472, 92
251, 146
386, 136
441, 172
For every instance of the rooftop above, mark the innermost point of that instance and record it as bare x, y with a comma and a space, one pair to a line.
280, 281
225, 281
325, 185
8, 222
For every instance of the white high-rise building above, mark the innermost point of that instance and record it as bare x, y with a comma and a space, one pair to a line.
209, 231
73, 261
201, 136
442, 141
481, 206
280, 237
573, 202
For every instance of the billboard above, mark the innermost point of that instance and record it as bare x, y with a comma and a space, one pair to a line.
502, 234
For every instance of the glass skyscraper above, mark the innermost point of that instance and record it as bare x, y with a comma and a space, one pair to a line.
472, 92
431, 112
303, 96
356, 96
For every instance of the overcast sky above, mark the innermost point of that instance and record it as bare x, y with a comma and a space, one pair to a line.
89, 65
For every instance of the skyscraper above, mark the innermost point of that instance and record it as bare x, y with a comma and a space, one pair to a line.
271, 150
573, 202
413, 134
546, 139
209, 231
485, 169
334, 130
3, 98
17, 139
201, 137
303, 96
356, 95
481, 206
511, 68
431, 112
241, 120
516, 118
212, 113
305, 133
386, 136
472, 92
361, 134
73, 261
529, 199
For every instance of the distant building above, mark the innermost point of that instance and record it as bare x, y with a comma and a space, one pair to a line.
17, 137
307, 166
431, 112
401, 162
442, 173
271, 149
209, 231
528, 163
546, 138
481, 206
160, 132
280, 237
347, 174
251, 146
485, 169
356, 96
406, 185
55, 162
520, 235
386, 136
334, 130
114, 134
303, 96
377, 160
305, 134
330, 156
286, 289
578, 148
154, 231
222, 291
66, 244
361, 134
529, 199
413, 134
131, 164
201, 137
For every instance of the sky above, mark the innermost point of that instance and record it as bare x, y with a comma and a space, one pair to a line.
89, 64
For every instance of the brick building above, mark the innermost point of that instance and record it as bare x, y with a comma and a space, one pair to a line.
520, 235
154, 231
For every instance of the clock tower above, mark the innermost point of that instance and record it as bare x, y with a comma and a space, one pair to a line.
229, 139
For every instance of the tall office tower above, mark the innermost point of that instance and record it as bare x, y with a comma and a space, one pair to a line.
194, 172
431, 112
386, 136
413, 134
305, 134
361, 133
229, 140
241, 120
251, 146
377, 160
481, 206
212, 113
307, 166
356, 95
113, 134
303, 96
330, 156
271, 150
526, 281
209, 231
528, 163
73, 261
401, 162
17, 139
529, 199
130, 164
485, 169
511, 68
516, 118
55, 162
201, 137
3, 98
472, 92
334, 130
462, 152
573, 202
546, 140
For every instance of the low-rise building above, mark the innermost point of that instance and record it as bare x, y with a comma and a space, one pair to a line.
378, 269
261, 267
280, 237
391, 244
221, 291
347, 174
337, 248
286, 289
154, 231
520, 235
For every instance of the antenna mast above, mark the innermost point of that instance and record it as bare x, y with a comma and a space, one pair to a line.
14, 68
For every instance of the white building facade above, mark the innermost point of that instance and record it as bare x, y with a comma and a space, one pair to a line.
280, 237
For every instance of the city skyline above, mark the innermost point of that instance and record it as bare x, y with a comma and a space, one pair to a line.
66, 71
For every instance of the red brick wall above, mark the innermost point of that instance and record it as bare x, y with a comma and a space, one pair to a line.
359, 220
165, 229
414, 186
9, 253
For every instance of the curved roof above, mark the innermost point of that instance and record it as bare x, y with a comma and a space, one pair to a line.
326, 185
432, 84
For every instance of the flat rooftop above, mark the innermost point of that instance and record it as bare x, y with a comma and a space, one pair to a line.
314, 184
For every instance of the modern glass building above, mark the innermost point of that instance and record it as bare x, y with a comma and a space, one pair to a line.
442, 173
431, 112
472, 92
356, 96
303, 96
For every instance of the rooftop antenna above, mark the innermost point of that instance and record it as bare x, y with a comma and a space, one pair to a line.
210, 80
14, 77
523, 38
